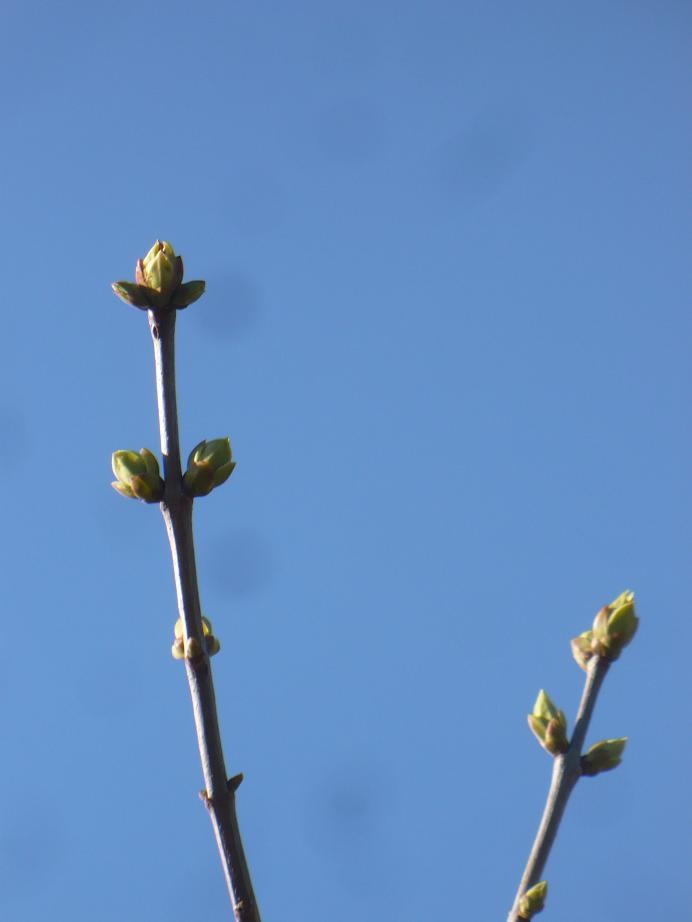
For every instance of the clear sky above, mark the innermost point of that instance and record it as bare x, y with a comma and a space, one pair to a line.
448, 331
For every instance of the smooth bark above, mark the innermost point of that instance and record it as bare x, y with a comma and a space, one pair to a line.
219, 793
566, 773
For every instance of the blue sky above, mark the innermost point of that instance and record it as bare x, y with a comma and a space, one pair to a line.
447, 328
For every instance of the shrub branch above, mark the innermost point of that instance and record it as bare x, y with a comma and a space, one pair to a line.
566, 773
176, 507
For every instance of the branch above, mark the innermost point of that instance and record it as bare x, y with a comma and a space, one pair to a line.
566, 773
594, 650
176, 507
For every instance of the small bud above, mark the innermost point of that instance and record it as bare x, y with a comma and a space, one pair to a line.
194, 649
211, 642
137, 475
614, 626
582, 649
533, 901
209, 465
603, 756
549, 725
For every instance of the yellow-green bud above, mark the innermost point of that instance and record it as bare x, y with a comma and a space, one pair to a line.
209, 465
533, 901
544, 707
159, 281
603, 756
211, 642
549, 725
160, 272
614, 626
582, 649
137, 475
194, 649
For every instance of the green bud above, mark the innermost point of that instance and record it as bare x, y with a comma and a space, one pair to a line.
603, 756
544, 707
137, 475
216, 453
549, 725
130, 294
582, 649
187, 294
158, 281
193, 648
533, 901
147, 489
161, 271
151, 461
537, 726
614, 626
208, 466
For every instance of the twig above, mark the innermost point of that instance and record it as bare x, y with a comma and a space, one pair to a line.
176, 507
566, 773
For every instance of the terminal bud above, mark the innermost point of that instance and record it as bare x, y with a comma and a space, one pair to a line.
159, 281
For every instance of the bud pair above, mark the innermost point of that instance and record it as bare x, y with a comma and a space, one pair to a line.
549, 725
613, 628
209, 465
138, 475
158, 281
533, 901
603, 756
192, 650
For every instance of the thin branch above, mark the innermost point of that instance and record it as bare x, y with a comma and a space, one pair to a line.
566, 773
219, 793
